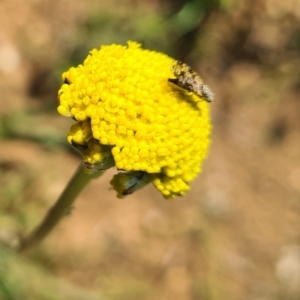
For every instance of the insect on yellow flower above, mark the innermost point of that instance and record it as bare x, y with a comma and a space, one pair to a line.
140, 111
188, 79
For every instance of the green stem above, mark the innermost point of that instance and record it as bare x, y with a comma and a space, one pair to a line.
79, 180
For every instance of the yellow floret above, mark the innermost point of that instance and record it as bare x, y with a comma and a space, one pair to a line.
95, 155
122, 100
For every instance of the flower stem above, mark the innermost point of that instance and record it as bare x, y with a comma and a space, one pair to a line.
77, 183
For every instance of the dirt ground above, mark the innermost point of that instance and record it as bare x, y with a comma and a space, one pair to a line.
235, 235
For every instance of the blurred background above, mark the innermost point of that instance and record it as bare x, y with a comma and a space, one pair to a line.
235, 235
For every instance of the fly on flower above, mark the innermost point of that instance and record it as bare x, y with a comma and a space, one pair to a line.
189, 80
114, 118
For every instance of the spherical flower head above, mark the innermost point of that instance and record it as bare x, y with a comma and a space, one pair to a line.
126, 107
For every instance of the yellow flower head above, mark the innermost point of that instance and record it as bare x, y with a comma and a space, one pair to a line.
130, 113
